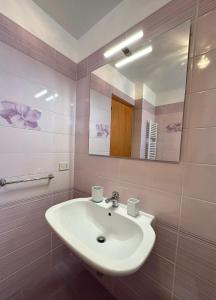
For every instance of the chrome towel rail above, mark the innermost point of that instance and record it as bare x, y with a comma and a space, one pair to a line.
4, 181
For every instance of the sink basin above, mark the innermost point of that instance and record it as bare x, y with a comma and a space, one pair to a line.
106, 238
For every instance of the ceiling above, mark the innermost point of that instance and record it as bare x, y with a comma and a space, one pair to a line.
77, 16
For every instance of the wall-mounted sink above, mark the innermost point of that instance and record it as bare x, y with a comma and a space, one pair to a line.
107, 239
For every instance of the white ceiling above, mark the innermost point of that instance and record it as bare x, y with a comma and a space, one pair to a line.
118, 19
77, 16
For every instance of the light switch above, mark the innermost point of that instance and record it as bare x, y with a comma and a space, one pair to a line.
64, 166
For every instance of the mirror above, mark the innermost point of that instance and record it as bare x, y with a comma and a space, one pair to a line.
137, 100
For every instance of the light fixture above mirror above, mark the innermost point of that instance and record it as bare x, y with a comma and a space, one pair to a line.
133, 57
125, 43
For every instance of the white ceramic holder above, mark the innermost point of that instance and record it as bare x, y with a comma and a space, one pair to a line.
133, 207
97, 194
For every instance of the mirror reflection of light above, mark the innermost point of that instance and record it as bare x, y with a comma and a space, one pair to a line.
133, 38
203, 62
134, 57
41, 94
52, 97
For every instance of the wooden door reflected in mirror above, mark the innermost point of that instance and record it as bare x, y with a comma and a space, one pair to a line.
121, 127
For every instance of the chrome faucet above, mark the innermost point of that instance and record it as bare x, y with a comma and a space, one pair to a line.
115, 199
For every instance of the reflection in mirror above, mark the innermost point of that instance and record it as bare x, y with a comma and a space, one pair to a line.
137, 100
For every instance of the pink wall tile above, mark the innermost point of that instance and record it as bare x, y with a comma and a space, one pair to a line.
199, 181
189, 286
197, 139
95, 60
101, 86
11, 138
166, 177
83, 181
17, 296
62, 196
82, 135
47, 288
204, 79
62, 143
197, 257
106, 281
24, 165
58, 254
21, 236
186, 112
163, 205
122, 291
65, 66
11, 263
166, 242
55, 241
80, 194
170, 108
143, 287
21, 214
108, 90
206, 33
176, 298
202, 109
83, 94
63, 181
206, 5
197, 218
27, 275
82, 69
169, 142
105, 167
154, 267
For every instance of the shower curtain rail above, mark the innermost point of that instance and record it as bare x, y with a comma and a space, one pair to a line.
3, 181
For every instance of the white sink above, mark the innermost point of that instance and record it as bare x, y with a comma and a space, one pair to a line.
129, 240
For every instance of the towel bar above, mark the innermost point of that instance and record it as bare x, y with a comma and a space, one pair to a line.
4, 182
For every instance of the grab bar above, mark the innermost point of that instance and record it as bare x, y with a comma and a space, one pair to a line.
4, 182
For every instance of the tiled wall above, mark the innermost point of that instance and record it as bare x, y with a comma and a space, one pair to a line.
169, 118
181, 196
99, 123
35, 135
103, 87
137, 129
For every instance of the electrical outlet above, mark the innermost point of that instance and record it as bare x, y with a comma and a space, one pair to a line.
64, 166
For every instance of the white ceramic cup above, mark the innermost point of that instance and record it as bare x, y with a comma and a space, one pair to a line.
97, 193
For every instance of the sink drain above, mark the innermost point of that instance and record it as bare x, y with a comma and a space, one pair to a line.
101, 239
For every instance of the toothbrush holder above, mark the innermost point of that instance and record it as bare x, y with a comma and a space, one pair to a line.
133, 207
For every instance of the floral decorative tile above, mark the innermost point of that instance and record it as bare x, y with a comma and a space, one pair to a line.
19, 115
102, 130
174, 127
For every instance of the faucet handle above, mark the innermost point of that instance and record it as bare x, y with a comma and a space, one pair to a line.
115, 195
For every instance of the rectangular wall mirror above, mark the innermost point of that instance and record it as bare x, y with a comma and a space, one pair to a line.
137, 100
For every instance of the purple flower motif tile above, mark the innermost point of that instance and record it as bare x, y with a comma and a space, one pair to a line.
174, 127
19, 115
102, 130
